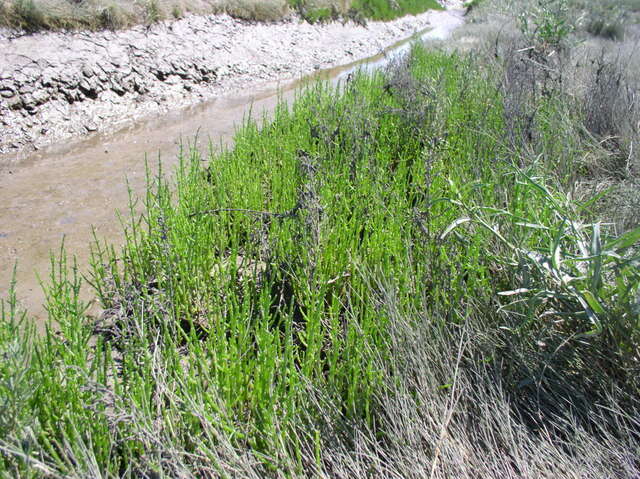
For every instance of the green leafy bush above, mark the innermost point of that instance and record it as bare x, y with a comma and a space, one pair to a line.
546, 23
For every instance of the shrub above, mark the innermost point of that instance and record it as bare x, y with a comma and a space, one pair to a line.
112, 17
612, 114
176, 11
546, 23
387, 10
154, 12
266, 11
611, 30
29, 16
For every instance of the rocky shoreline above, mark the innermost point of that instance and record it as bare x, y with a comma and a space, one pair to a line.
59, 85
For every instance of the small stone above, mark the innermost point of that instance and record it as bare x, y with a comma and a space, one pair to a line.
27, 88
117, 88
20, 78
172, 80
91, 126
90, 87
48, 76
70, 95
7, 93
7, 85
41, 96
118, 61
15, 103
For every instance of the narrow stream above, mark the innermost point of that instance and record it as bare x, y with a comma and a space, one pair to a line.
66, 190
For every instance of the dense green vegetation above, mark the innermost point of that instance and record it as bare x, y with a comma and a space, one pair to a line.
408, 276
36, 15
385, 10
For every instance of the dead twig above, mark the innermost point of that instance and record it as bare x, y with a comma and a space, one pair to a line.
287, 214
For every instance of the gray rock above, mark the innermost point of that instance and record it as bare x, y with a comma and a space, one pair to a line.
32, 71
48, 77
125, 70
71, 94
106, 67
15, 103
20, 78
192, 75
90, 87
119, 60
140, 85
88, 71
41, 96
69, 77
117, 87
172, 80
27, 88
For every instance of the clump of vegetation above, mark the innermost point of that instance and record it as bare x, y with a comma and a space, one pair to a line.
177, 12
112, 18
610, 29
388, 10
268, 11
154, 12
30, 16
546, 23
407, 276
388, 279
606, 19
37, 15
472, 5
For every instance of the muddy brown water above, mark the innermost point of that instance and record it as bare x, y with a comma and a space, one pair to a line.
65, 191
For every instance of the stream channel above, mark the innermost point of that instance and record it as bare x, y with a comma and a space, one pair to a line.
65, 191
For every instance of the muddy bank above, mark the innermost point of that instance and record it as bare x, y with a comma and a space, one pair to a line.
54, 86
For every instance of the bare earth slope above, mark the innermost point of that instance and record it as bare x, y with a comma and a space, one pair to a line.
54, 86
